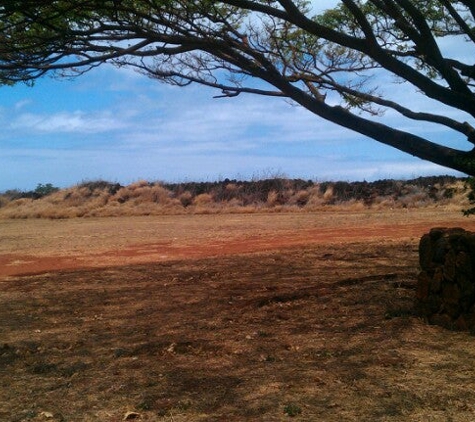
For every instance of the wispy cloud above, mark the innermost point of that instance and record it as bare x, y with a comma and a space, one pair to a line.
21, 104
67, 122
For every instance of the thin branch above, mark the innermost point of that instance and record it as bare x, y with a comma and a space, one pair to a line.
460, 20
227, 90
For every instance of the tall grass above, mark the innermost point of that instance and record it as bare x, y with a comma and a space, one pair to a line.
102, 199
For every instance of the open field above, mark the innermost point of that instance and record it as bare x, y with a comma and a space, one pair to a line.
31, 246
259, 317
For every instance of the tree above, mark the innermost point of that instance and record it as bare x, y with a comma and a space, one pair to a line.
328, 63
44, 190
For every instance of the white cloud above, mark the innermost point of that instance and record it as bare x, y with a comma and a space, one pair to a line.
245, 123
67, 122
22, 104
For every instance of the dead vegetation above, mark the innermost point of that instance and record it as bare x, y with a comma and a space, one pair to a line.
105, 199
310, 333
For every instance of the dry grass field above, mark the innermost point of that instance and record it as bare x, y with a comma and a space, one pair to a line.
229, 317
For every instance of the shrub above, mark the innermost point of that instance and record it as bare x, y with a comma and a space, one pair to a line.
203, 199
300, 198
328, 196
272, 198
186, 199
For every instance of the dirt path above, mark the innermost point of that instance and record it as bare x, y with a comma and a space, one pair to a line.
38, 246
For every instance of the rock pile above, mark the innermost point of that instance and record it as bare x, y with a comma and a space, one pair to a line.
446, 285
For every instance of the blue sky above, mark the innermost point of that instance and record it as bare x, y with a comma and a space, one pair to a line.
120, 126
117, 125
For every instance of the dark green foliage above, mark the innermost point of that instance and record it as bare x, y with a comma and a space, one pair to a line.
43, 190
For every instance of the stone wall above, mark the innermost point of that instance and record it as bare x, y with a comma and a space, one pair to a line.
446, 285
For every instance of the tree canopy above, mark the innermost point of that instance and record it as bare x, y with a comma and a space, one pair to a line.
329, 62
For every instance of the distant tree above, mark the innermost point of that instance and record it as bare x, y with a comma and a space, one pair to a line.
329, 63
43, 190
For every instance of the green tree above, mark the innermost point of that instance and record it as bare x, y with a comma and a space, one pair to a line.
43, 190
329, 63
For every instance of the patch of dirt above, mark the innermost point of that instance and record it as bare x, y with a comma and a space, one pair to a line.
317, 330
95, 243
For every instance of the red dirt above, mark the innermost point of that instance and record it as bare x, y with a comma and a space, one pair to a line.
15, 264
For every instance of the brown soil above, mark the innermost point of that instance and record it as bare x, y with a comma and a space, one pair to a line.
225, 318
36, 246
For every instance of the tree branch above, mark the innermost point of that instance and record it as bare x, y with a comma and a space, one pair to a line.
233, 45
